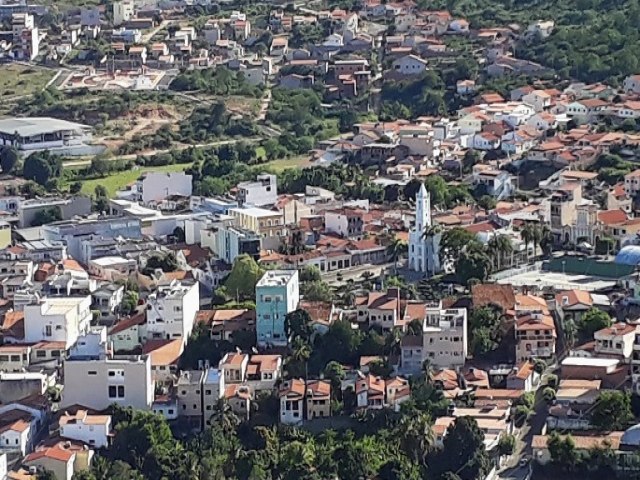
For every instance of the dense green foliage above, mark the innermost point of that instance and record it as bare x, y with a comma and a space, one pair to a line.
216, 81
241, 282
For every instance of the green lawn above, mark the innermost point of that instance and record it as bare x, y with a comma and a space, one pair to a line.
281, 164
119, 180
22, 80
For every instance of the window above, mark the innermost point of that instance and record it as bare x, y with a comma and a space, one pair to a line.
15, 358
47, 330
195, 407
116, 391
4, 358
55, 353
41, 354
170, 411
92, 372
207, 392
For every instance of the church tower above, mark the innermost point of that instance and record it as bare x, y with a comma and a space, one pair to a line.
424, 252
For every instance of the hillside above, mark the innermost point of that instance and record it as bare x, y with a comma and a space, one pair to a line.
594, 40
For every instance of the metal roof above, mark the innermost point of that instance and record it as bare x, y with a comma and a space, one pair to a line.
37, 126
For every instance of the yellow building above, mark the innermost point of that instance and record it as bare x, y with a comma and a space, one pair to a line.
5, 235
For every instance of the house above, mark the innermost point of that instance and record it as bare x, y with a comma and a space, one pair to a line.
239, 397
292, 394
18, 430
94, 430
164, 356
535, 336
631, 84
262, 192
632, 183
497, 183
586, 111
539, 100
572, 304
616, 340
376, 393
277, 294
410, 65
318, 399
465, 87
523, 377
60, 461
128, 333
346, 222
378, 308
486, 141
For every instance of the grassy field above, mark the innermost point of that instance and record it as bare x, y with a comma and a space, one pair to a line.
119, 180
22, 80
281, 164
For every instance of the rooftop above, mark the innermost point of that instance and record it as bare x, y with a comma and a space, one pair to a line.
37, 126
276, 278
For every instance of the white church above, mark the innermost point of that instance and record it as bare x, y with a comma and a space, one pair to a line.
424, 251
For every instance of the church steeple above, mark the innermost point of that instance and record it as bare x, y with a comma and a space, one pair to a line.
423, 209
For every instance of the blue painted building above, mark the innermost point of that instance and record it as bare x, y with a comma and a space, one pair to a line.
277, 293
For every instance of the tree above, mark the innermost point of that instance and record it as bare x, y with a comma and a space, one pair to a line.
298, 324
47, 215
563, 451
416, 437
75, 187
164, 261
472, 263
317, 292
129, 302
499, 247
46, 475
549, 394
507, 444
241, 282
310, 273
593, 320
8, 159
464, 451
99, 166
101, 200
334, 372
612, 410
395, 251
455, 240
37, 168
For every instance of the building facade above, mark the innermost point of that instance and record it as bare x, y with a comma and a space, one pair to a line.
277, 294
424, 240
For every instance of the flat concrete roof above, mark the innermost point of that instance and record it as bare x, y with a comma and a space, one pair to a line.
558, 280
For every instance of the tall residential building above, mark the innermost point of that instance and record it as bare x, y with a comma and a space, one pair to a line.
59, 319
123, 11
198, 393
26, 39
424, 243
171, 310
95, 378
264, 191
230, 242
277, 294
268, 224
443, 341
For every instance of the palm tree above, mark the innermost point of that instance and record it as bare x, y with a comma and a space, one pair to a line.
431, 231
546, 239
416, 436
396, 250
392, 342
528, 236
300, 353
499, 247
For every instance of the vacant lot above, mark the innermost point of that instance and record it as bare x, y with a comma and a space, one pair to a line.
118, 180
281, 164
22, 80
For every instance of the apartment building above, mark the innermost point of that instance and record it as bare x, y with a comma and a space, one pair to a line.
443, 342
171, 310
94, 430
57, 320
346, 222
95, 378
535, 336
26, 38
198, 393
231, 242
262, 192
277, 294
267, 224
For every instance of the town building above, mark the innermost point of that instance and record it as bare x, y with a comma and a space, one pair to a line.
277, 294
262, 192
171, 310
535, 336
32, 134
57, 320
424, 239
94, 430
